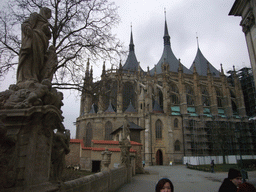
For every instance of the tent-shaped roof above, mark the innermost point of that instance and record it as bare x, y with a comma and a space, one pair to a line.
130, 108
201, 64
131, 126
94, 109
110, 108
131, 63
157, 107
168, 57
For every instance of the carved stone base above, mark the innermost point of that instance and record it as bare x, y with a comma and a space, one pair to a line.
27, 157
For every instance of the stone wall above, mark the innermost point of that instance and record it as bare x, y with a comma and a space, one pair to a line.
73, 158
106, 181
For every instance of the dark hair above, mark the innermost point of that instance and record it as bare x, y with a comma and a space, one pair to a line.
233, 173
161, 183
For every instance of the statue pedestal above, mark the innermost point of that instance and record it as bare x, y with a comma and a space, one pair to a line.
30, 134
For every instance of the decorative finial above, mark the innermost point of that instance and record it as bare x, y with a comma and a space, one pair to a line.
221, 68
165, 13
197, 40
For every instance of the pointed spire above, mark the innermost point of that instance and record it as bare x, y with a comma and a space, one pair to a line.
138, 66
130, 108
197, 40
87, 68
110, 108
91, 73
166, 34
194, 69
103, 68
221, 69
120, 65
180, 66
131, 46
208, 68
234, 69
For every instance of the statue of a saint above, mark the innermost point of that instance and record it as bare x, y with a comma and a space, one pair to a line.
33, 54
59, 149
126, 130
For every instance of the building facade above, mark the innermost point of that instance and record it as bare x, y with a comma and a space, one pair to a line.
176, 111
247, 10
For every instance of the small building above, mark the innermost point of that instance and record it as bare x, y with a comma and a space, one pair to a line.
89, 158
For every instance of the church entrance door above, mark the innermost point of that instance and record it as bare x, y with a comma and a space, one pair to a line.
159, 157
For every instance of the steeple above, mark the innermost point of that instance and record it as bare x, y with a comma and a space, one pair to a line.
202, 65
167, 56
131, 46
87, 68
103, 69
166, 34
131, 63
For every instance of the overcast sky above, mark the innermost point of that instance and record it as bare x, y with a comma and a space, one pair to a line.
220, 37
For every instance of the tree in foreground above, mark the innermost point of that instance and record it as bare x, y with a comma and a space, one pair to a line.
81, 29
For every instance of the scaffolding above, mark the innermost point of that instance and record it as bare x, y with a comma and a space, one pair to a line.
246, 79
217, 136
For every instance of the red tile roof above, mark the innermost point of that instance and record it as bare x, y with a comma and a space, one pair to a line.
76, 140
111, 142
103, 142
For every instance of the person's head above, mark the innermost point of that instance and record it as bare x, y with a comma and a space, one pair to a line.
164, 185
246, 187
235, 176
46, 12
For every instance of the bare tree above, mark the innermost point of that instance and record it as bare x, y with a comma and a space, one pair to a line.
81, 29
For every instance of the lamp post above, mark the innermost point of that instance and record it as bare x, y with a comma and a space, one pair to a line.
238, 137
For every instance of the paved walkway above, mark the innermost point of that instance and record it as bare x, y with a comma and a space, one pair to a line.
184, 180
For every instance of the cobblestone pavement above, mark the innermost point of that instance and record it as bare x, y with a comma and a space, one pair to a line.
184, 179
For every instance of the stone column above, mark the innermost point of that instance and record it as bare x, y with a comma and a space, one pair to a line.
148, 141
29, 158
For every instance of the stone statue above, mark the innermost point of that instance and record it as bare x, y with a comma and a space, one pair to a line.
34, 55
37, 64
125, 144
60, 148
126, 130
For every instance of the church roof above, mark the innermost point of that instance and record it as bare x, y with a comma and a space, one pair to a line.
157, 107
131, 63
93, 109
168, 57
131, 126
130, 108
201, 64
110, 108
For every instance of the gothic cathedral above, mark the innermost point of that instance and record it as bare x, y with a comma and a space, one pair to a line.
172, 111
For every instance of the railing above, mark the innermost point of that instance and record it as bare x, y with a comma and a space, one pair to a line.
106, 181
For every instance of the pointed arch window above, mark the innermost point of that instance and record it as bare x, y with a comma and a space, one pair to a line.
160, 97
233, 101
128, 95
174, 94
108, 131
176, 123
190, 95
219, 97
205, 96
177, 145
88, 136
159, 127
